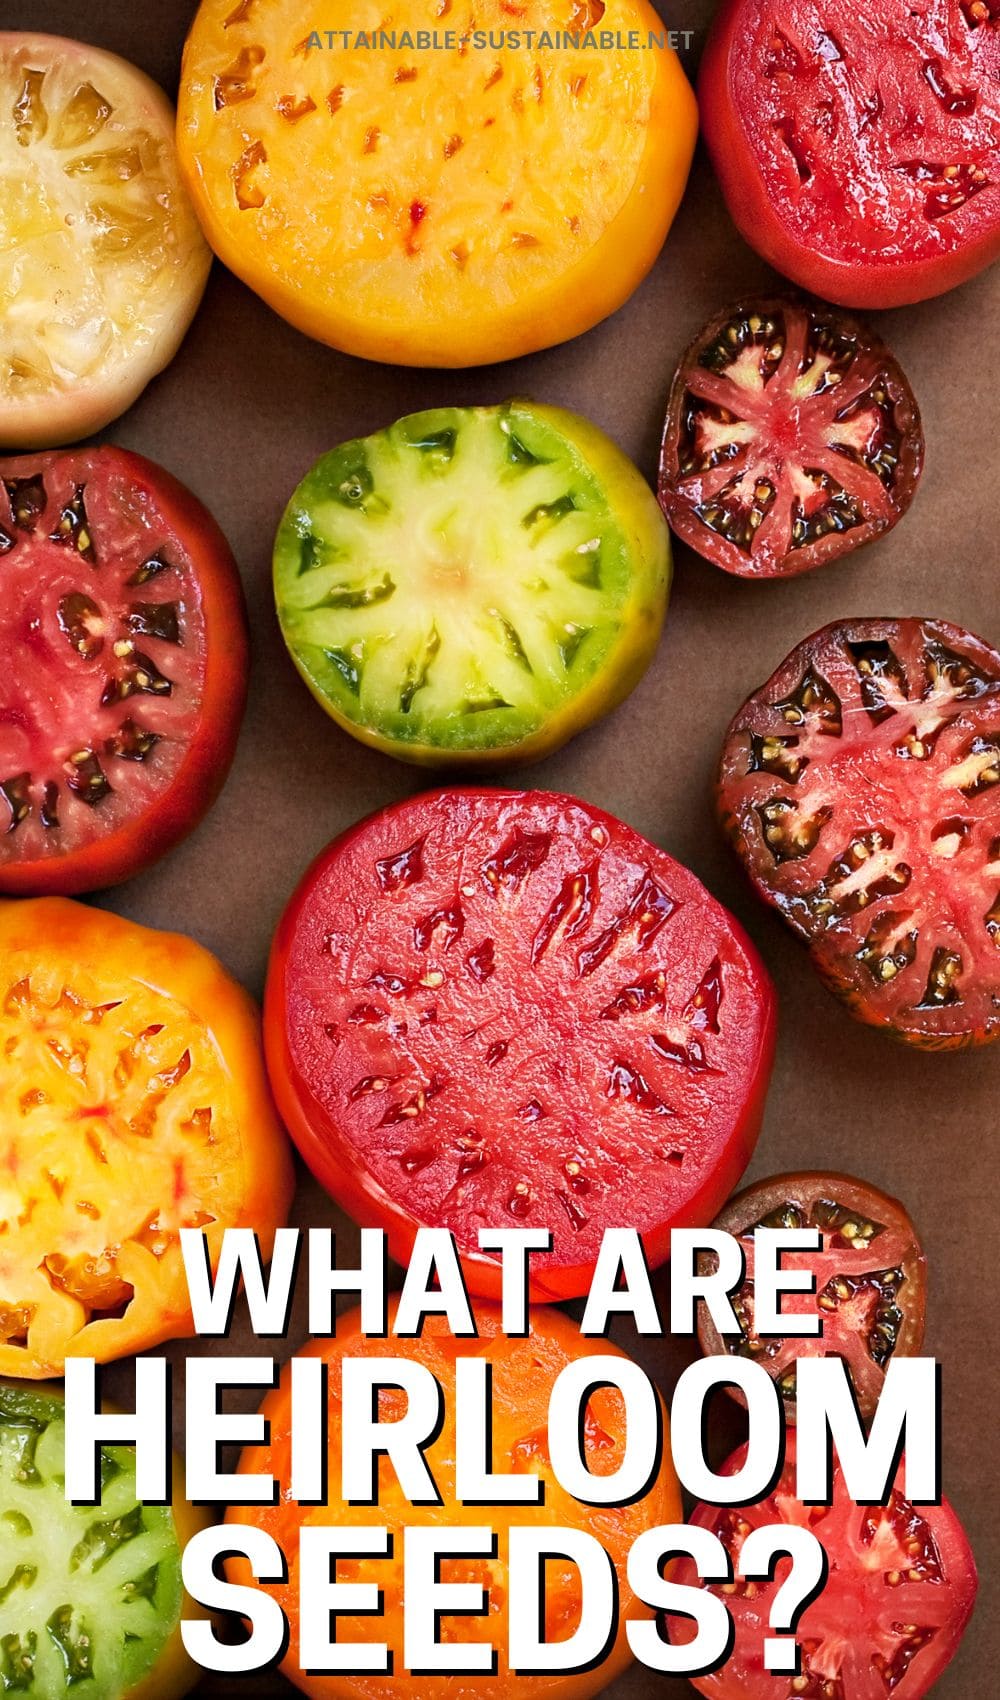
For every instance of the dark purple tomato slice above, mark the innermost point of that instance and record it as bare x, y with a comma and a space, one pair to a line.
900, 1590
861, 789
503, 1008
792, 437
123, 667
870, 1280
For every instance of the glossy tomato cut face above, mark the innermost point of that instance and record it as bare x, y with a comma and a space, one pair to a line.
444, 208
869, 1280
123, 660
857, 146
523, 1373
504, 1008
861, 789
900, 1590
792, 437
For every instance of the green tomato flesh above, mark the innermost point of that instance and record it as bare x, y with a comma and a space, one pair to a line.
472, 582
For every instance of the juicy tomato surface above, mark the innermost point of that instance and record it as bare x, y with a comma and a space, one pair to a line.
792, 436
133, 1103
123, 667
900, 1591
870, 1280
523, 1375
473, 583
857, 146
93, 1601
861, 789
102, 262
391, 203
504, 1007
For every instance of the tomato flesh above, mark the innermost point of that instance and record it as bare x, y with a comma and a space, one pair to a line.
861, 789
870, 1280
499, 1007
117, 725
523, 1374
857, 147
900, 1591
792, 436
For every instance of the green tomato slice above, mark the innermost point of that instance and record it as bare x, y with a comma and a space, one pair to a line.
472, 582
89, 1595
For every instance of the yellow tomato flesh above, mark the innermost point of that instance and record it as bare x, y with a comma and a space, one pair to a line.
133, 1104
449, 206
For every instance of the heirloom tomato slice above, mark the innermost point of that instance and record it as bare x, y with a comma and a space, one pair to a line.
102, 263
857, 145
133, 1103
900, 1590
861, 789
792, 437
524, 1372
870, 1280
91, 1597
474, 583
491, 1008
123, 663
450, 201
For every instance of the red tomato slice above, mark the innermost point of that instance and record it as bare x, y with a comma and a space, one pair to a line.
123, 663
507, 1008
900, 1591
861, 789
870, 1280
857, 145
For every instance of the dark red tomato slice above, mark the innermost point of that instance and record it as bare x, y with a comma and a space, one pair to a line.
870, 1280
857, 145
900, 1591
792, 436
861, 788
506, 1008
123, 667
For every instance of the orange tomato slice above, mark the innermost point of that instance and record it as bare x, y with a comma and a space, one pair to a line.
133, 1103
524, 1372
446, 205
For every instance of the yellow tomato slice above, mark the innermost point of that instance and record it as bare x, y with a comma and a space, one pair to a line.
445, 205
102, 263
133, 1103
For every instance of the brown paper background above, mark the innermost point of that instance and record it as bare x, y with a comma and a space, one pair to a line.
243, 412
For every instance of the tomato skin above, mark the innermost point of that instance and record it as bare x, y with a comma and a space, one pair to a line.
136, 846
864, 284
857, 1594
523, 1375
86, 959
341, 1170
897, 1246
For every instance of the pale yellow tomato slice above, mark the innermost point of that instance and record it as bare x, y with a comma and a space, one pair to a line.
500, 188
102, 263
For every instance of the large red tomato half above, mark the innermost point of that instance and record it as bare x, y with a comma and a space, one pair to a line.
857, 145
506, 1008
123, 667
900, 1590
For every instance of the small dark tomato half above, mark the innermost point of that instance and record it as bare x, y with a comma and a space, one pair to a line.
123, 667
792, 437
861, 789
856, 145
506, 1008
900, 1590
870, 1280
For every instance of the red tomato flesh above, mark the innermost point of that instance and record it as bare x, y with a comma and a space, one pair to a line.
504, 1008
122, 667
857, 145
900, 1591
